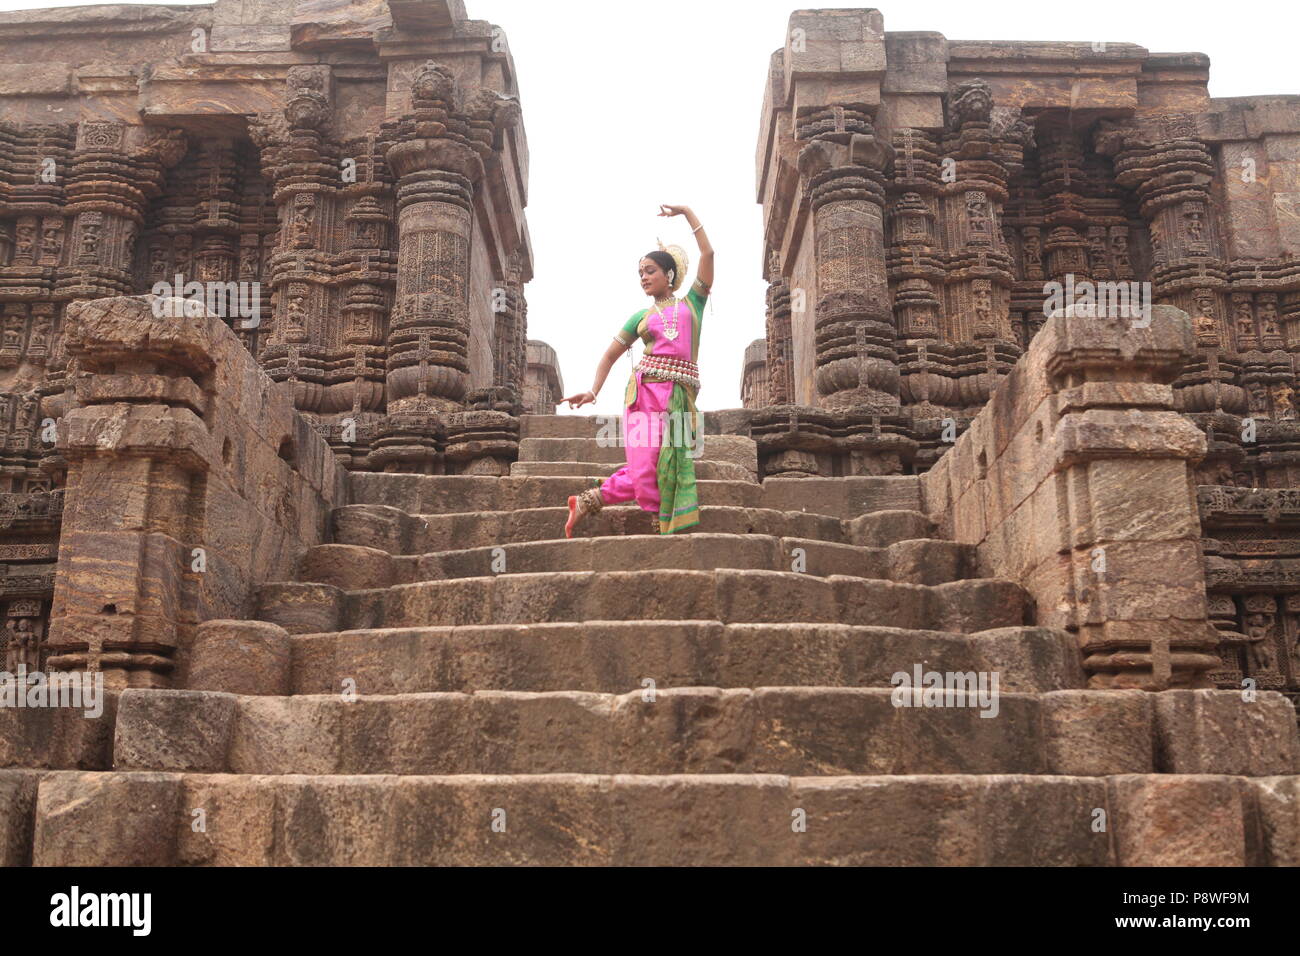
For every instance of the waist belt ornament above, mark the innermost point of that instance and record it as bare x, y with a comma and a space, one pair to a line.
665, 369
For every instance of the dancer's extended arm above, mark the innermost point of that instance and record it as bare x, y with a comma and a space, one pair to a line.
705, 271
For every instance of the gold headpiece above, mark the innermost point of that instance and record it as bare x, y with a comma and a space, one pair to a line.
679, 260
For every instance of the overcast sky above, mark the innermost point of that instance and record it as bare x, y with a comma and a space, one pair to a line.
628, 105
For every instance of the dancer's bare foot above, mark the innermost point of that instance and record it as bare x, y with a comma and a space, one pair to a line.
589, 502
573, 516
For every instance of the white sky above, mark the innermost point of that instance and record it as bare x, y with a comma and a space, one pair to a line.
628, 105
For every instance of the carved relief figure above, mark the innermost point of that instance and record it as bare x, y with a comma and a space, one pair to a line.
91, 223
1119, 251
1204, 299
304, 211
1268, 314
1033, 252
157, 262
977, 217
296, 312
25, 246
1098, 260
1158, 242
983, 306
26, 412
40, 335
1283, 408
1197, 238
20, 645
248, 257
1244, 316
367, 235
1259, 652
13, 334
1257, 398
52, 241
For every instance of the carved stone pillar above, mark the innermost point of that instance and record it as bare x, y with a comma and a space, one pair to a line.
844, 169
1171, 171
107, 192
979, 275
301, 161
780, 335
428, 364
511, 329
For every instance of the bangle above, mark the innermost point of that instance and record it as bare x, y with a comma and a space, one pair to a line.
697, 228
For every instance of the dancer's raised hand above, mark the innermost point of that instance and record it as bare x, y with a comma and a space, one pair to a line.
666, 210
580, 399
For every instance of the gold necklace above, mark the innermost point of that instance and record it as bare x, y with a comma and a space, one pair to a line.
670, 333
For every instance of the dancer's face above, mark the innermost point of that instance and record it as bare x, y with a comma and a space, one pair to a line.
654, 281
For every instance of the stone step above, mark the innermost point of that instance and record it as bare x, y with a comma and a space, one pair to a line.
923, 561
474, 494
723, 595
704, 470
443, 532
452, 494
76, 818
616, 656
566, 426
731, 449
397, 532
800, 731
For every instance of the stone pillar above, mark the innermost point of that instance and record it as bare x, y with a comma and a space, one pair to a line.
1075, 482
780, 335
543, 383
428, 364
511, 329
844, 169
979, 275
916, 271
297, 156
754, 377
107, 192
191, 480
1122, 471
1171, 171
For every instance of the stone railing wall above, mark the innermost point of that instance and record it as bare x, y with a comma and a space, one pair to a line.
191, 480
1075, 481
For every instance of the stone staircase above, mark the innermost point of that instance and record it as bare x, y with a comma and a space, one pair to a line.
451, 681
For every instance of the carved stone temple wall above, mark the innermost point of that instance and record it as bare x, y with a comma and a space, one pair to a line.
919, 196
356, 173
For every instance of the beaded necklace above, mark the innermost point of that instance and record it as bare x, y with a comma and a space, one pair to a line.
670, 332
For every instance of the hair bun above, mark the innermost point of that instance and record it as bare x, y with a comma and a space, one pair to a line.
682, 263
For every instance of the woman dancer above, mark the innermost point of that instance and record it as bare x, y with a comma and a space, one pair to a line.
660, 472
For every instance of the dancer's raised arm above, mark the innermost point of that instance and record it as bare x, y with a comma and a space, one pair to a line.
616, 348
705, 271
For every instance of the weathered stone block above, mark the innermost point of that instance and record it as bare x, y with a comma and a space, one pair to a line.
241, 657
